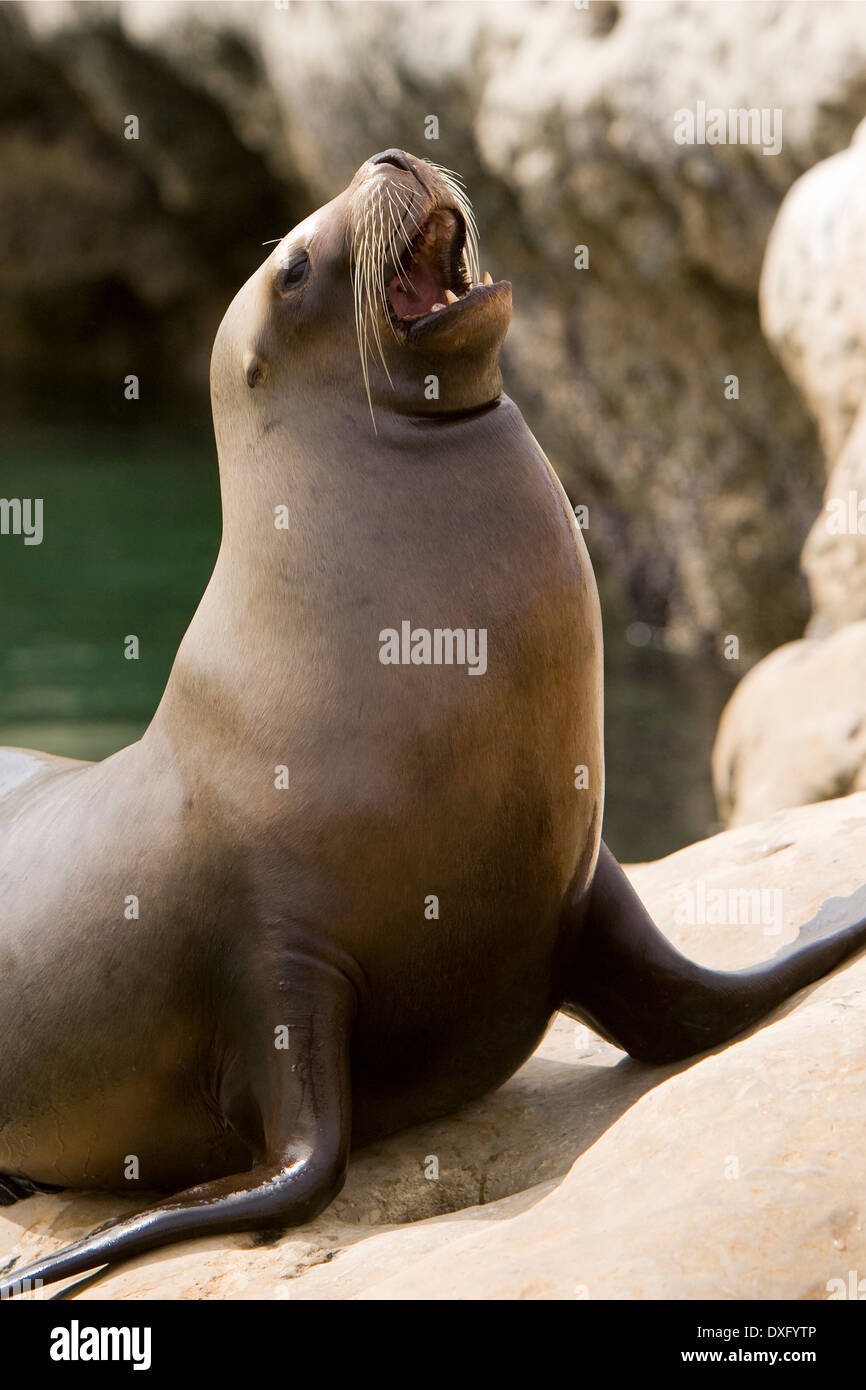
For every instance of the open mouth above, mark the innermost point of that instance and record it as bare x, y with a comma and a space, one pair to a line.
432, 276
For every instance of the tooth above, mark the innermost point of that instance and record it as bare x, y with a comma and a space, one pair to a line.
450, 297
434, 307
488, 278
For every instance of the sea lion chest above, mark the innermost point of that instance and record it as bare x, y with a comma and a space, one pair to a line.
429, 732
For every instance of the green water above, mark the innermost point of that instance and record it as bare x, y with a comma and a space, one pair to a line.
131, 529
661, 715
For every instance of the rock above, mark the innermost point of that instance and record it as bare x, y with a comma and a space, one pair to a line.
813, 312
117, 255
794, 731
813, 290
834, 556
561, 121
588, 1175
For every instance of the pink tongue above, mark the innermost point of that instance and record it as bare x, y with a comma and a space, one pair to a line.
415, 293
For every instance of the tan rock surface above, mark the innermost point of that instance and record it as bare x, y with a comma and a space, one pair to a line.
813, 290
834, 556
794, 731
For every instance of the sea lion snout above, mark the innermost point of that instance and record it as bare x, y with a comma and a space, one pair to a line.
396, 157
423, 308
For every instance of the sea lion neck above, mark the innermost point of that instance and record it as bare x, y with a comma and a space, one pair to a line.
438, 380
298, 474
317, 512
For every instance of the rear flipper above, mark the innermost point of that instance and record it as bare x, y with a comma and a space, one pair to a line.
622, 977
14, 1190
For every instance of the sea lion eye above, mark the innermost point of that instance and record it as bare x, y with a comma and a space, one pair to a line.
291, 275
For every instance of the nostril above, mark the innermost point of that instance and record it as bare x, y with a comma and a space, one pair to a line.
395, 157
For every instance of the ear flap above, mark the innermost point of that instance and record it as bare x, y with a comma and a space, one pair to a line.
255, 368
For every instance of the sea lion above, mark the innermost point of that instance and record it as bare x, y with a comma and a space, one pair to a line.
363, 870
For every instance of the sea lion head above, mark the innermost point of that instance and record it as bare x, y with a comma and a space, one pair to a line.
373, 306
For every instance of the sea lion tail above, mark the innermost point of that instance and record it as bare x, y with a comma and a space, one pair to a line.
624, 979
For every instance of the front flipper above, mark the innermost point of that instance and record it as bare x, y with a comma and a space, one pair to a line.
303, 1095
